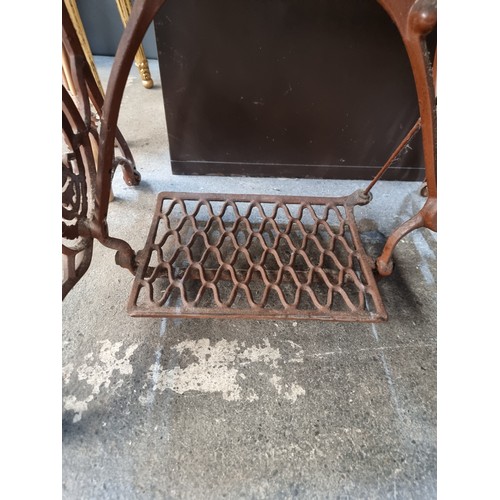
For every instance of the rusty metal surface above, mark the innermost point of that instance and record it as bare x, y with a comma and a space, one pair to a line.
246, 256
310, 282
78, 163
82, 103
78, 182
415, 19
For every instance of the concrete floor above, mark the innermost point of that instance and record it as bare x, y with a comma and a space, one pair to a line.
280, 409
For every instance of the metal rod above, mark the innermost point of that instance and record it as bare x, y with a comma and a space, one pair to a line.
393, 156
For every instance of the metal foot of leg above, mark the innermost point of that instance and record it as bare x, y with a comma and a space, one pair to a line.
426, 217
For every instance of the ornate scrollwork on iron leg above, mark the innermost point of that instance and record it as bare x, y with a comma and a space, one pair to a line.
78, 194
81, 95
76, 248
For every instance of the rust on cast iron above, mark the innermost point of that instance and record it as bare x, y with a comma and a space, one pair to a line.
82, 103
415, 20
185, 270
247, 256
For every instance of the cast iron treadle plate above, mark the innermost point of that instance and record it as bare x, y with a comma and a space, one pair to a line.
260, 257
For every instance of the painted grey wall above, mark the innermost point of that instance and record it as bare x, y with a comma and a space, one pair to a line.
104, 27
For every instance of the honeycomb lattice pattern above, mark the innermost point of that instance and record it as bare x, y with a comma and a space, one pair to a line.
255, 257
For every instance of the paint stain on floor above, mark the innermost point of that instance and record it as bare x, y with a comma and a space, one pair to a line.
233, 369
221, 367
98, 372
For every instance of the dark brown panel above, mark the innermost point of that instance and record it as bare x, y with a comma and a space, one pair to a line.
286, 88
